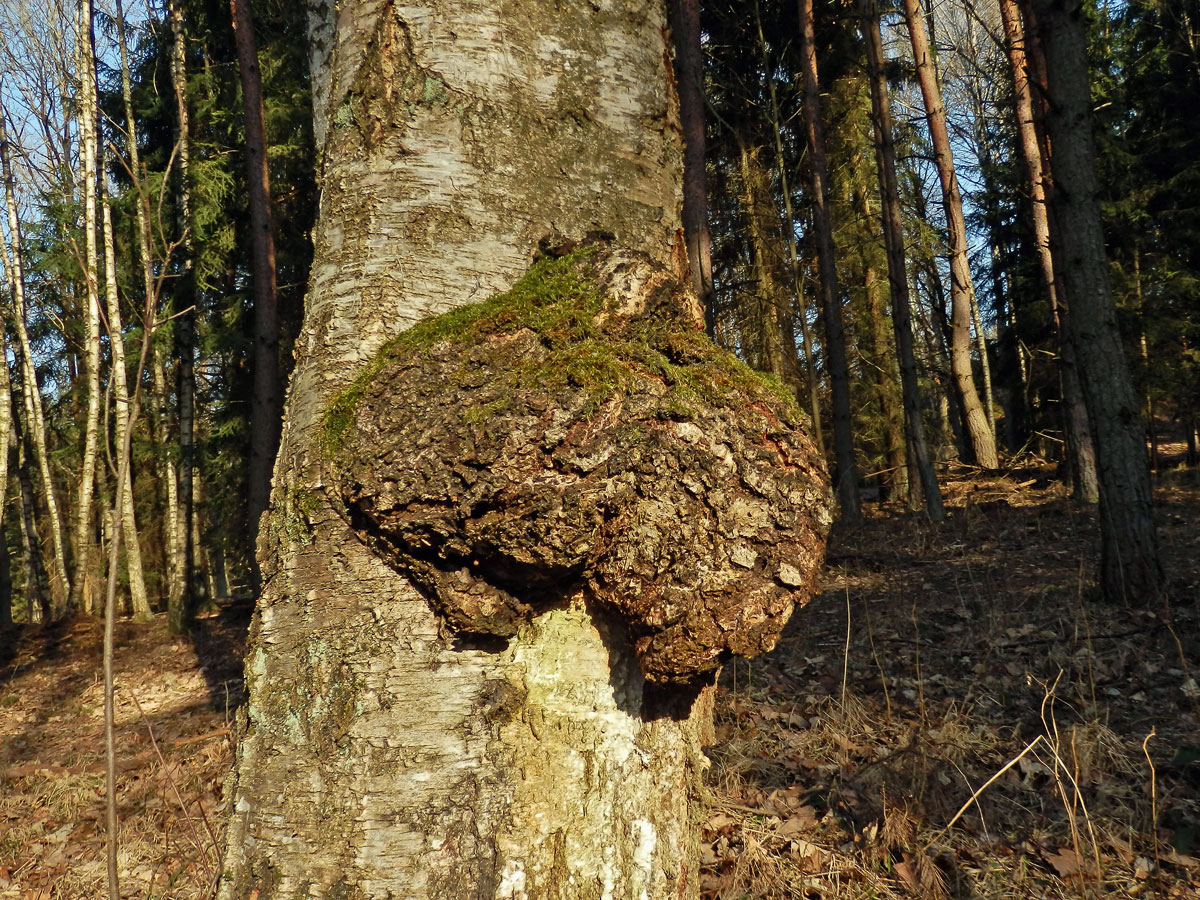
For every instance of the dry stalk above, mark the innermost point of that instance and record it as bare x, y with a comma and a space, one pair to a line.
887, 697
1153, 796
846, 651
1074, 800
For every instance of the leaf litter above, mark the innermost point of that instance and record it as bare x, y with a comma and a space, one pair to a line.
957, 714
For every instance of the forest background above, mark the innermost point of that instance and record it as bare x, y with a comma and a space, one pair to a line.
149, 206
159, 190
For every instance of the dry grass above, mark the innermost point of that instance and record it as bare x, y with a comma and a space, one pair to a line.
959, 715
52, 759
956, 716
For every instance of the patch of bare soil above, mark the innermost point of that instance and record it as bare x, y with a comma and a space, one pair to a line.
956, 715
959, 714
175, 702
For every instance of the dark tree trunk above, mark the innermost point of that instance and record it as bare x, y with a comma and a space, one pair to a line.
689, 80
846, 476
1081, 456
266, 398
1130, 569
893, 236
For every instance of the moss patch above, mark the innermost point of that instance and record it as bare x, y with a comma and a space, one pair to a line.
560, 302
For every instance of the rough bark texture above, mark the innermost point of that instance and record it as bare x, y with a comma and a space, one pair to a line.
1129, 568
382, 755
962, 287
586, 446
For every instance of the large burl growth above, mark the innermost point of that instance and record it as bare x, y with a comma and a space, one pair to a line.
579, 434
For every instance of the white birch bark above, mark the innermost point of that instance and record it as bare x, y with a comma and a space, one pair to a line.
381, 758
89, 137
31, 394
129, 532
167, 475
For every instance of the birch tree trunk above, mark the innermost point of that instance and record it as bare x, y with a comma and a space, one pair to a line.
6, 439
185, 322
88, 138
893, 237
1130, 569
120, 390
846, 476
31, 394
167, 475
380, 755
962, 287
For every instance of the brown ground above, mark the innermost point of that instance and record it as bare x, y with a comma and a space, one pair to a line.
846, 758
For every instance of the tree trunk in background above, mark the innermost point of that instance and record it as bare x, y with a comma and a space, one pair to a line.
789, 230
266, 399
31, 393
89, 138
846, 477
381, 757
37, 582
765, 343
689, 78
164, 461
185, 324
893, 236
120, 391
1081, 454
1130, 569
983, 443
891, 416
6, 442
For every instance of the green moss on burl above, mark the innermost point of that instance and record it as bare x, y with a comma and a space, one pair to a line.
559, 301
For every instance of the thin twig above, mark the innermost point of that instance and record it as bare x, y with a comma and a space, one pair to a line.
178, 797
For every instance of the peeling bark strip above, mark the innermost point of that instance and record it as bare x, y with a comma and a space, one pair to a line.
579, 433
380, 756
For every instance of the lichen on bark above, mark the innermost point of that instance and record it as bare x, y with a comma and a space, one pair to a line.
578, 432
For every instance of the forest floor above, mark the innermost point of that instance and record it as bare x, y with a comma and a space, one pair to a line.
939, 664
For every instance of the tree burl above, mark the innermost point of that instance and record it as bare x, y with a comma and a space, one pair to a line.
580, 434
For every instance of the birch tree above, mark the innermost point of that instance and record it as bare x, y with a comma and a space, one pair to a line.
485, 708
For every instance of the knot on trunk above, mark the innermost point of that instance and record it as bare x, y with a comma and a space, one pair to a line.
578, 433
